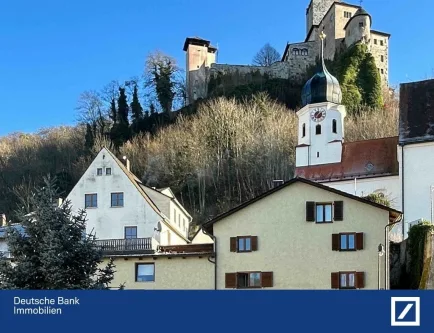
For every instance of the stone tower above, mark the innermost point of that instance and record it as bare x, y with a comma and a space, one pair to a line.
316, 11
200, 55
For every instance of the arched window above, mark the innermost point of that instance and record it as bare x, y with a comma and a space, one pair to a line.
334, 126
304, 52
304, 131
318, 129
296, 51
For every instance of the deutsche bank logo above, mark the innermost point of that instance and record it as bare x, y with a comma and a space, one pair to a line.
405, 311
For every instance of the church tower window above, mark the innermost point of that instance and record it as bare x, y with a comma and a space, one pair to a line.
334, 126
318, 129
304, 131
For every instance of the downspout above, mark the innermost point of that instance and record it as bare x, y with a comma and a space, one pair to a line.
402, 190
215, 255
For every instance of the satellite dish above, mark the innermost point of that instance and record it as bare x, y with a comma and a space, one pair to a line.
158, 228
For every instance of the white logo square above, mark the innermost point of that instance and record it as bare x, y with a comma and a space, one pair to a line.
412, 304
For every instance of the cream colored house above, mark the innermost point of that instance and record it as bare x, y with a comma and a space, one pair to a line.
302, 235
170, 267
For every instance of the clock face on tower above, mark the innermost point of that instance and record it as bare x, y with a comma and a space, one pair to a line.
318, 114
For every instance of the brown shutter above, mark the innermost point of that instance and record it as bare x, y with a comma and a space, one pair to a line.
233, 244
254, 240
359, 241
267, 279
231, 280
360, 280
339, 211
310, 211
335, 280
335, 242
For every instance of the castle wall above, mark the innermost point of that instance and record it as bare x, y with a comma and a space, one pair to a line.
300, 56
381, 54
278, 70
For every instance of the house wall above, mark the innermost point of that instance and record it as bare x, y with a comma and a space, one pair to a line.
202, 238
174, 273
389, 185
105, 221
299, 253
418, 178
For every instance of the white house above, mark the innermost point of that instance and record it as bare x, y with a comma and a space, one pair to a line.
380, 165
121, 208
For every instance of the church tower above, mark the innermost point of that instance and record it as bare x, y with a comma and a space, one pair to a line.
315, 12
321, 119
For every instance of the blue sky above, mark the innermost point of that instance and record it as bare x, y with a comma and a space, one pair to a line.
51, 51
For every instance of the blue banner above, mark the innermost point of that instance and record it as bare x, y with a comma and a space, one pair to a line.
217, 311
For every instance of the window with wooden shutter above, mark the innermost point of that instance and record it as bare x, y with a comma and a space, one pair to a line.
231, 280
254, 241
360, 280
338, 211
233, 244
310, 211
335, 242
267, 279
335, 280
359, 241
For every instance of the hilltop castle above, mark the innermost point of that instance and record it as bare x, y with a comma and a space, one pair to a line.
344, 24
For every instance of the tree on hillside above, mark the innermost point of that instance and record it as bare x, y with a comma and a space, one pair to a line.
162, 75
91, 111
54, 251
120, 132
266, 56
136, 112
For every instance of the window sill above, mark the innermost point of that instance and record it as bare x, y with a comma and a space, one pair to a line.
347, 250
326, 222
116, 206
145, 281
90, 207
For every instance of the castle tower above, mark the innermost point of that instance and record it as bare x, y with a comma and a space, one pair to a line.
321, 119
200, 55
316, 11
358, 28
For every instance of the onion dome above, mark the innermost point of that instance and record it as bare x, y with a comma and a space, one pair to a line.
322, 87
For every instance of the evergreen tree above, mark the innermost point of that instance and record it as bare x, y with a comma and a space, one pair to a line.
89, 137
123, 108
137, 112
113, 111
54, 252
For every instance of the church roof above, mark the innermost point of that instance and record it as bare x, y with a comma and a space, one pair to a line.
416, 112
360, 159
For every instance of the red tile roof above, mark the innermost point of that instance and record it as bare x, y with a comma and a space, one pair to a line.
360, 159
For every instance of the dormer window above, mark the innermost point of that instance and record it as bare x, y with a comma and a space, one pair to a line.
318, 129
334, 126
304, 131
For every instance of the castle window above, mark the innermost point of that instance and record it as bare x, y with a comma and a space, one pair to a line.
381, 43
375, 41
334, 126
304, 52
304, 131
361, 24
318, 129
295, 51
382, 58
382, 71
347, 14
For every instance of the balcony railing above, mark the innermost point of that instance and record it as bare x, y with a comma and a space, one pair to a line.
125, 246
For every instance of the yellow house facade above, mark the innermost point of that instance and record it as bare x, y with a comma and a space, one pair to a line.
303, 235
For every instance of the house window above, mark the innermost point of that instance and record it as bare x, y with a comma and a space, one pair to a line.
375, 41
179, 220
108, 171
244, 244
317, 154
243, 280
303, 131
323, 213
361, 24
382, 58
117, 199
347, 241
130, 232
145, 272
99, 172
174, 215
90, 200
334, 126
318, 129
347, 280
183, 224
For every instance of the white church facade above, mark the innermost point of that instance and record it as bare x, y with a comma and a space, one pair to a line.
400, 167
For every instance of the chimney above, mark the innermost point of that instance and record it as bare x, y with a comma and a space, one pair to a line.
3, 220
127, 163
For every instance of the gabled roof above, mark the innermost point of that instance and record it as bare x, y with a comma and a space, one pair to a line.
394, 214
360, 159
416, 112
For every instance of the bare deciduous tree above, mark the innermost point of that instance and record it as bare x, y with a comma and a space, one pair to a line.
266, 56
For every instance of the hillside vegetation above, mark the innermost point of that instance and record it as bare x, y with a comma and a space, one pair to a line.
226, 153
